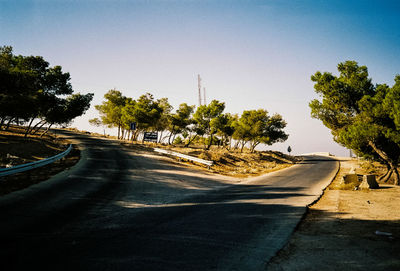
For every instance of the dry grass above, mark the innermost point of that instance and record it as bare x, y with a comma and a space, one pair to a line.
239, 164
226, 162
359, 167
16, 150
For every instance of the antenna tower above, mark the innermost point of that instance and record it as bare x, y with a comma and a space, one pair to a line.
204, 96
199, 85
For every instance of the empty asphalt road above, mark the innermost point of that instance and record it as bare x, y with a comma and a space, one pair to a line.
125, 209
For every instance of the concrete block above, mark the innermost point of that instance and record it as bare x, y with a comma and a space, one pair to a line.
350, 178
369, 182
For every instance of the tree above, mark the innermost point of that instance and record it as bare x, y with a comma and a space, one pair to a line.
97, 122
224, 127
180, 120
163, 122
146, 112
203, 117
111, 109
361, 116
128, 116
30, 89
65, 110
256, 126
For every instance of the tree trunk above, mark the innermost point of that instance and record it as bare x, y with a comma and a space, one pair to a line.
170, 135
119, 128
253, 146
135, 135
210, 141
48, 128
243, 144
159, 141
383, 178
169, 138
393, 165
35, 129
34, 126
8, 123
386, 177
396, 176
190, 140
2, 122
236, 146
229, 145
40, 127
28, 128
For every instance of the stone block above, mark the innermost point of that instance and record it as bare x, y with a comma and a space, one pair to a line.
350, 178
369, 182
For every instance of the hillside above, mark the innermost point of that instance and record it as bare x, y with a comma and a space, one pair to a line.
16, 150
228, 162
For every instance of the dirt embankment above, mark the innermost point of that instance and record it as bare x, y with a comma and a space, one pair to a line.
15, 149
347, 230
230, 162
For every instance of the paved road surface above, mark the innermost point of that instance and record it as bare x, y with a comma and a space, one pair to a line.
121, 209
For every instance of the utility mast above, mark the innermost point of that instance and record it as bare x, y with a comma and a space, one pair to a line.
204, 96
199, 85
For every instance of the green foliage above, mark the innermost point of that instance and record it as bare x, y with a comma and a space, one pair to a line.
111, 110
256, 126
147, 112
163, 122
203, 117
361, 116
180, 120
95, 122
178, 140
30, 89
223, 126
207, 125
120, 111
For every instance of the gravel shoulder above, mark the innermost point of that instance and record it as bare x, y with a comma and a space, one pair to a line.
343, 231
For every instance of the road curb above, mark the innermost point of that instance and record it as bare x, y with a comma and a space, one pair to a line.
306, 212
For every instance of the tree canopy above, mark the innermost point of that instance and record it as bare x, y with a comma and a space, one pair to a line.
208, 124
362, 116
30, 89
256, 126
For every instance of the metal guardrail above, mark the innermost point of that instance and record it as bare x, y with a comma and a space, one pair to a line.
184, 156
32, 165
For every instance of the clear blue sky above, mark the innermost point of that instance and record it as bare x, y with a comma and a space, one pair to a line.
250, 54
